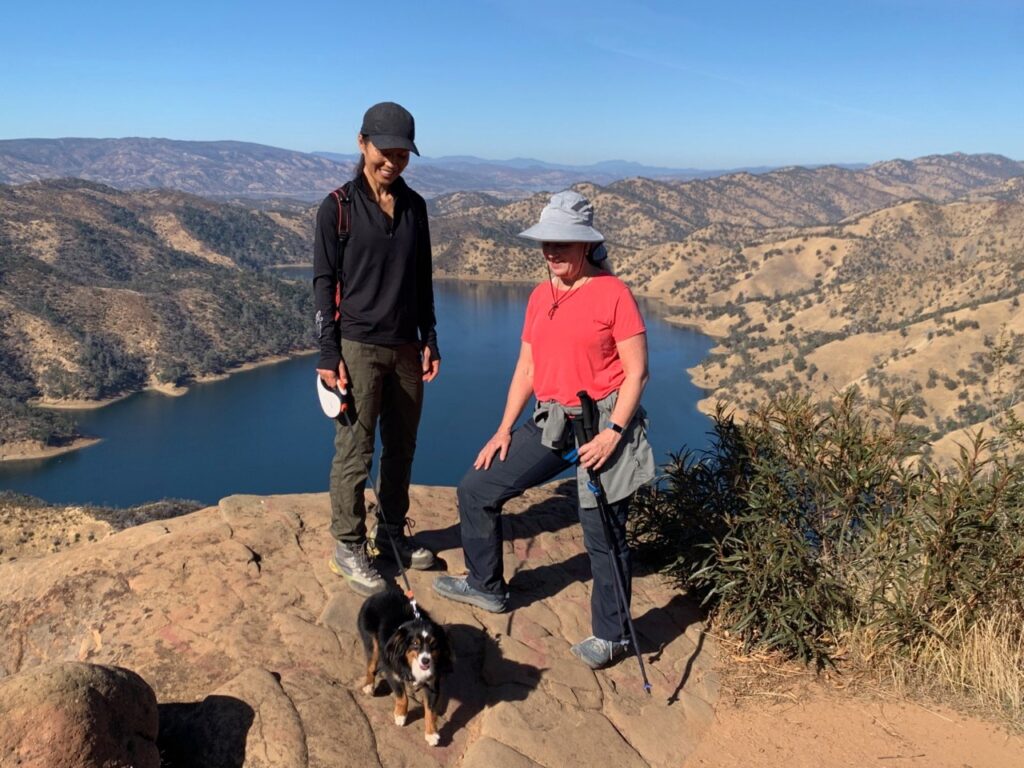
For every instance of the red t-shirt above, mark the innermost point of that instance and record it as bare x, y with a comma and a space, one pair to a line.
574, 348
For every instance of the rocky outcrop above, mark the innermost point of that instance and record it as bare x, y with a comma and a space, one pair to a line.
249, 641
73, 715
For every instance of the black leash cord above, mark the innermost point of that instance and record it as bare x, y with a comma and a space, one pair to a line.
346, 420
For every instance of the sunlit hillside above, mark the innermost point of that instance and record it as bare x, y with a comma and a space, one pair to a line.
904, 279
105, 292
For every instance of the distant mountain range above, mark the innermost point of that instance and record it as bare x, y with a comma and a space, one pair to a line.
896, 277
215, 169
471, 230
240, 170
522, 176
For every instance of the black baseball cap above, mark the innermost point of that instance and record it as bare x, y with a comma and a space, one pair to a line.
390, 126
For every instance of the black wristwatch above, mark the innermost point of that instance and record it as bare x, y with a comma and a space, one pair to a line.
614, 427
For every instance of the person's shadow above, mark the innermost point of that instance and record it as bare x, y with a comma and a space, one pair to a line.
481, 677
531, 585
211, 732
660, 626
554, 513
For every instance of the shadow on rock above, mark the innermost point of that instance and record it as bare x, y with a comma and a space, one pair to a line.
208, 734
552, 514
544, 581
661, 626
482, 677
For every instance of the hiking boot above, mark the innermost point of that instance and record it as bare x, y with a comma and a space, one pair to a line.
413, 556
352, 562
458, 589
597, 653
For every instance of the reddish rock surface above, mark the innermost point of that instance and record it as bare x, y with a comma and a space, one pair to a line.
73, 715
249, 641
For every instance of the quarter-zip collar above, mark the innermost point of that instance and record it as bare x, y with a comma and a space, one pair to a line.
398, 189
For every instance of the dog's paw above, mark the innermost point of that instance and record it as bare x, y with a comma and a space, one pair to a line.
400, 720
368, 689
433, 739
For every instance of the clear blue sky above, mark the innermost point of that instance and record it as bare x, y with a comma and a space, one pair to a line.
663, 82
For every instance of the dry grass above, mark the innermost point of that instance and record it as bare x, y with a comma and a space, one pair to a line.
30, 527
977, 669
976, 664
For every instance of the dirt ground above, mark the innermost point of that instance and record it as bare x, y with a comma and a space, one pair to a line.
821, 728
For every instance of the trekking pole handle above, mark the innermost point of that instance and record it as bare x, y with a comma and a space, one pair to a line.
579, 433
589, 415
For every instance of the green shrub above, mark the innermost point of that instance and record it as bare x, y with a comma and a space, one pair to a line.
816, 528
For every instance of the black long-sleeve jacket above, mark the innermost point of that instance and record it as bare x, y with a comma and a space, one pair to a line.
387, 292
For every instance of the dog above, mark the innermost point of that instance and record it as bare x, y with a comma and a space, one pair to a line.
411, 652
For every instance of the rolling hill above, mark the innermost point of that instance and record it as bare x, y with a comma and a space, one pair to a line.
235, 170
104, 292
904, 278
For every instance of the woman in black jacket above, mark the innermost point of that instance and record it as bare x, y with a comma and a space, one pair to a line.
380, 343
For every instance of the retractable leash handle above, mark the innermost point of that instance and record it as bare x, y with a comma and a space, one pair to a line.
344, 416
586, 427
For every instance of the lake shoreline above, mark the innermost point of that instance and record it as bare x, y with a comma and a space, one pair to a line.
265, 433
28, 450
32, 451
170, 390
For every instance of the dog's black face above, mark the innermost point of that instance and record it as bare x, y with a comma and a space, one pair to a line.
418, 651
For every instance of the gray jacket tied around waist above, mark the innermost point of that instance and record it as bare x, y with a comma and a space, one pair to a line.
628, 468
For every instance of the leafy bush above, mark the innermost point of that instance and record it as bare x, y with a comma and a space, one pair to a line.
817, 529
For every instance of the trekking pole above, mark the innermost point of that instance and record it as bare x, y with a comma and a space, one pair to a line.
346, 419
586, 428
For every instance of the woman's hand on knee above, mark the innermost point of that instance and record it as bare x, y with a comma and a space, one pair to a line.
499, 444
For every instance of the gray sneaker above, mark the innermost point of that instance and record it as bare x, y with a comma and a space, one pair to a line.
597, 653
352, 562
458, 589
412, 555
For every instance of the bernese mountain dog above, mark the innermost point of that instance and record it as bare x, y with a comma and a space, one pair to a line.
412, 653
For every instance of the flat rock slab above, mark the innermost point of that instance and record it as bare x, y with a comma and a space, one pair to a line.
249, 641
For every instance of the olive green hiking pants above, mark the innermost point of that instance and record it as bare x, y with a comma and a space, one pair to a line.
386, 383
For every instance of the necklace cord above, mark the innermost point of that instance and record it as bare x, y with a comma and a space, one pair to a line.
557, 301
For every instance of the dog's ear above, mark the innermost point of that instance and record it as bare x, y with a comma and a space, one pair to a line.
394, 651
444, 650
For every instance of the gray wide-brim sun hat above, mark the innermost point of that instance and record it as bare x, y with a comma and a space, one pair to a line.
568, 218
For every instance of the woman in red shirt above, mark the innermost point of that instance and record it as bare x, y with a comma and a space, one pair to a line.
583, 331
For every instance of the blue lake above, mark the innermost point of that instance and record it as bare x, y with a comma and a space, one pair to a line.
262, 431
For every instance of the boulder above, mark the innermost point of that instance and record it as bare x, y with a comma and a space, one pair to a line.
75, 715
